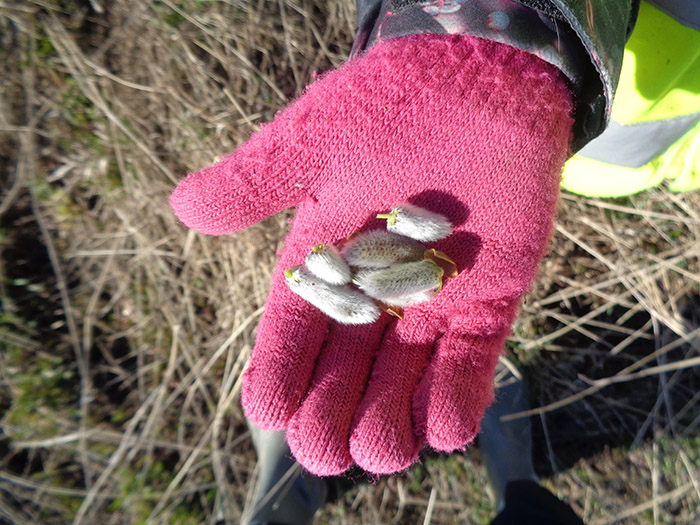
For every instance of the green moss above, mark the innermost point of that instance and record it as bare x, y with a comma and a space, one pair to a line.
45, 49
43, 385
415, 478
142, 487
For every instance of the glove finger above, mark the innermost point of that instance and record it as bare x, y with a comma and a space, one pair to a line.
292, 331
382, 440
457, 387
259, 180
319, 431
290, 336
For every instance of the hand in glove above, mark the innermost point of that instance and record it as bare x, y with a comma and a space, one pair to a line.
472, 129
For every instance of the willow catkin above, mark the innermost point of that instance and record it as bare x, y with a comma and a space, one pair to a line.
326, 263
401, 282
411, 299
341, 303
379, 249
417, 223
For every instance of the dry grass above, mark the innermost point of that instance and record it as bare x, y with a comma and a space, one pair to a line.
125, 335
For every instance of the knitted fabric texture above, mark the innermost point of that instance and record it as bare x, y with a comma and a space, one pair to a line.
472, 129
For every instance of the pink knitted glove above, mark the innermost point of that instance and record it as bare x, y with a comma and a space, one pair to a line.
472, 129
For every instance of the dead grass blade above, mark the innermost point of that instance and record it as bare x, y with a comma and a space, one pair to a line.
642, 507
75, 61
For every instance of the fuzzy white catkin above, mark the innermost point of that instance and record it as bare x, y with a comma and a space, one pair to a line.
340, 303
411, 299
379, 249
326, 263
418, 223
400, 281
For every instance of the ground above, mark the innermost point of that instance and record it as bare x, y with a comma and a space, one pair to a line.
124, 335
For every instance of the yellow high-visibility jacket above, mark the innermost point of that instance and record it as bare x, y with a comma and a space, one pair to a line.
654, 133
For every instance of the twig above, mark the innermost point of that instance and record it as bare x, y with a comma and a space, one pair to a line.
431, 507
632, 211
572, 326
655, 479
74, 61
101, 435
80, 357
79, 493
401, 489
104, 73
550, 450
602, 383
664, 383
671, 257
27, 146
654, 370
288, 44
671, 323
162, 389
94, 495
45, 487
277, 491
230, 506
228, 47
638, 509
422, 502
694, 478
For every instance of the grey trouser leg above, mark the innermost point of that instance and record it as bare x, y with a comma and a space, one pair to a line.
284, 493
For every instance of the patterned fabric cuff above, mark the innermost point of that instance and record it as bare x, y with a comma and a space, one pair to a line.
504, 21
